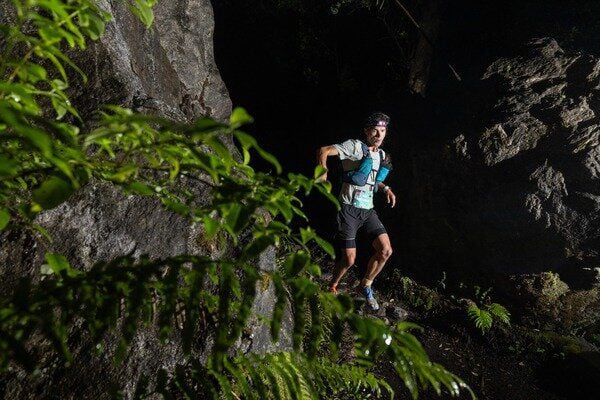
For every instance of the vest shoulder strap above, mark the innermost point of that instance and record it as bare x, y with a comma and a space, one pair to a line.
365, 148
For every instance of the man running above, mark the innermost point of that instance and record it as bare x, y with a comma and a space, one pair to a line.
356, 198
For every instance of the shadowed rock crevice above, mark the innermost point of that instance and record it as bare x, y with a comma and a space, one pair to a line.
520, 186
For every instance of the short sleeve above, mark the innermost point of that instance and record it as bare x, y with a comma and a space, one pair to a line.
350, 149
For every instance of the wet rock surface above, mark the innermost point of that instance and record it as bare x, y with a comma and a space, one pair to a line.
517, 191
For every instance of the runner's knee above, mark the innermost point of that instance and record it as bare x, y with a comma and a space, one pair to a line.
385, 252
345, 259
349, 260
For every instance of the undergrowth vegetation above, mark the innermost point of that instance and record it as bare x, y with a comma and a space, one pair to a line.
483, 313
476, 303
46, 156
484, 317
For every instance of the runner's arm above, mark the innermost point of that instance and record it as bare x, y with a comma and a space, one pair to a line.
322, 154
390, 196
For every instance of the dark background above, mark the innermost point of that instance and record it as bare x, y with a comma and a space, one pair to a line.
310, 71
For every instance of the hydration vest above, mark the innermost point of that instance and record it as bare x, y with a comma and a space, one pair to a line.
360, 175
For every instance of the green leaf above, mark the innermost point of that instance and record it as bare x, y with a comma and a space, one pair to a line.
325, 245
8, 167
239, 116
57, 263
43, 231
211, 226
319, 171
235, 217
285, 208
141, 188
32, 72
47, 53
64, 167
124, 173
219, 148
174, 171
95, 27
258, 245
4, 218
50, 35
16, 120
52, 192
269, 158
205, 125
314, 269
176, 206
296, 262
143, 10
325, 189
280, 227
299, 213
59, 107
306, 234
22, 100
246, 141
37, 71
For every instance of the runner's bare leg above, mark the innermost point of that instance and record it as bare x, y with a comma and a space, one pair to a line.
347, 259
383, 251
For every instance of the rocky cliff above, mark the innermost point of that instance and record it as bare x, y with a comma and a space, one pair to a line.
515, 197
168, 70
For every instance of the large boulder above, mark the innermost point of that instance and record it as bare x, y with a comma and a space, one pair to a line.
167, 70
516, 194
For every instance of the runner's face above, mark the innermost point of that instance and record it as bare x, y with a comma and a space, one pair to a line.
375, 135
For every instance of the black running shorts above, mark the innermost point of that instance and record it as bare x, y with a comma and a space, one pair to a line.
350, 219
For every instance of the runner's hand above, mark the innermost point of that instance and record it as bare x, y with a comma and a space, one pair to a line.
391, 197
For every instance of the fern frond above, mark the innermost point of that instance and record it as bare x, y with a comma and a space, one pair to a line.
499, 312
413, 365
294, 376
482, 318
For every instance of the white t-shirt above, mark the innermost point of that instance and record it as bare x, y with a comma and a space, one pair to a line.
351, 154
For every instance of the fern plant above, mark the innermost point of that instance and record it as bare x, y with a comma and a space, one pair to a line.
45, 158
485, 317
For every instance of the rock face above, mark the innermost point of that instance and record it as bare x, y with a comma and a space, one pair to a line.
518, 192
546, 130
168, 70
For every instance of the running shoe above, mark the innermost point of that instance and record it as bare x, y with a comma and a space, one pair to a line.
370, 298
